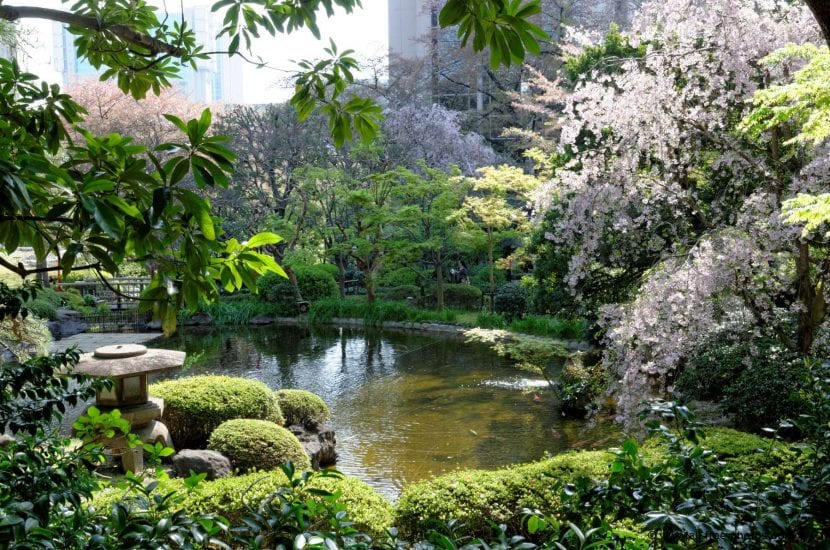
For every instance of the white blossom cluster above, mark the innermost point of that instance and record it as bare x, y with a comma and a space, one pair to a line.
663, 129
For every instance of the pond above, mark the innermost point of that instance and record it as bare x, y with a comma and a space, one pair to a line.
405, 406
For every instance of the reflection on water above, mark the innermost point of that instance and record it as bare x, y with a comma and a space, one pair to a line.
405, 406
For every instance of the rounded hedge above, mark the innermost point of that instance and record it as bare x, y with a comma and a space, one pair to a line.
462, 297
299, 405
404, 276
258, 445
195, 406
400, 293
511, 301
315, 283
480, 498
231, 496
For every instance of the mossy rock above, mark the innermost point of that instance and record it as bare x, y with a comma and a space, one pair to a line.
258, 445
231, 496
478, 497
300, 405
195, 406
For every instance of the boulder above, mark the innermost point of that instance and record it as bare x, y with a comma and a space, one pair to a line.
199, 319
214, 464
262, 320
318, 440
6, 440
68, 323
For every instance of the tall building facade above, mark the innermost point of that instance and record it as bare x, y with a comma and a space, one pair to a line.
217, 79
430, 67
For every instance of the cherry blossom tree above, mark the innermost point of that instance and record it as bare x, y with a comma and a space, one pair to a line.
433, 134
664, 191
109, 111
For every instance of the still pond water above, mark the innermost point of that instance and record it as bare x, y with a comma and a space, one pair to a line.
405, 406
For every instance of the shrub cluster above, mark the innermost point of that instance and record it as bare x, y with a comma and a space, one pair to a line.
315, 283
400, 293
257, 445
231, 497
581, 383
299, 405
399, 277
758, 381
376, 314
480, 498
195, 406
511, 301
466, 297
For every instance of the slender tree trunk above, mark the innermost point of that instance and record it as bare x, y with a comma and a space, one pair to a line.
439, 281
292, 277
341, 275
492, 267
42, 276
812, 301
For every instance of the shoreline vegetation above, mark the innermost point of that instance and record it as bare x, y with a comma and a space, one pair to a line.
387, 315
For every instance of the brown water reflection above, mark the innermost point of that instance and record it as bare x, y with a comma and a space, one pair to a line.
405, 406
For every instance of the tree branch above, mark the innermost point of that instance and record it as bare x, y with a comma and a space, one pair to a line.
124, 32
821, 11
24, 272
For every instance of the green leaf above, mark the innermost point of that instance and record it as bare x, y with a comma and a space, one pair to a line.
263, 239
98, 185
124, 206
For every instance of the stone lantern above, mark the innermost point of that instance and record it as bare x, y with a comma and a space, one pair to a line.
129, 366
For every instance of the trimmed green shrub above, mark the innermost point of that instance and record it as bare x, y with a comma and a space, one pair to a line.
299, 405
315, 283
257, 445
758, 380
331, 269
231, 496
400, 293
465, 297
195, 406
480, 278
712, 366
766, 393
478, 497
399, 277
511, 301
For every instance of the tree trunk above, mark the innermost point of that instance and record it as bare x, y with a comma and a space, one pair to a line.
341, 275
492, 267
821, 11
812, 301
42, 276
439, 282
292, 277
369, 281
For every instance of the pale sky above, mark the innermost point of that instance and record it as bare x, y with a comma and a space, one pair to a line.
365, 31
